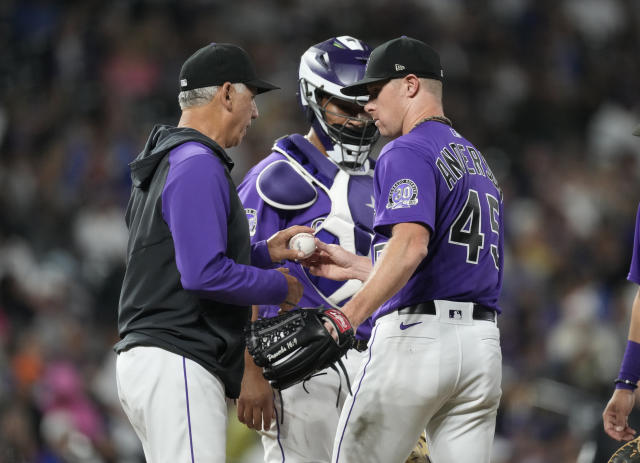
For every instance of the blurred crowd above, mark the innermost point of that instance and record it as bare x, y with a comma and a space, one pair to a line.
547, 89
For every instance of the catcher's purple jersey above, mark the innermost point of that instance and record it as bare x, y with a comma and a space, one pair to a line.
434, 176
634, 272
276, 197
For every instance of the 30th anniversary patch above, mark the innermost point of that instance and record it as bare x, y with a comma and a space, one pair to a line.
403, 193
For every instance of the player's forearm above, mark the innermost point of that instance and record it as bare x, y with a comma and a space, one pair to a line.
224, 280
361, 268
630, 366
402, 255
634, 327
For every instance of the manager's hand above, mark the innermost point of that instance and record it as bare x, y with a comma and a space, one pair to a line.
294, 292
255, 404
278, 244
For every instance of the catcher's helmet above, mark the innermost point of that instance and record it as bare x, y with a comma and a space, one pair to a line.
325, 68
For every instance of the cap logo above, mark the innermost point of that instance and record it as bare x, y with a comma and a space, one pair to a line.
399, 67
183, 82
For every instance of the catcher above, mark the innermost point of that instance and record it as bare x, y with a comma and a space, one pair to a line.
324, 180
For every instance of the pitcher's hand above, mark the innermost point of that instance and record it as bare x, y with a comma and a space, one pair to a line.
336, 263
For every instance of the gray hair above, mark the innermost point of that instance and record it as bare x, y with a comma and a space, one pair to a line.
433, 86
202, 96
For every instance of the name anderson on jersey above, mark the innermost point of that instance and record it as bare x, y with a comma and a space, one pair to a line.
455, 160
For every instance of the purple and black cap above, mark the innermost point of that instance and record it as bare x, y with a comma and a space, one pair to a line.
395, 59
218, 63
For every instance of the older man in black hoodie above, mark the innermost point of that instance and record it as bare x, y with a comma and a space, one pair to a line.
191, 271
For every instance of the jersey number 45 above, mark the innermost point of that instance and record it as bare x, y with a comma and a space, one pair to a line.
466, 230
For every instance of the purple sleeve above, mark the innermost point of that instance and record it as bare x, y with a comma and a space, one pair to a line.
260, 256
406, 189
195, 205
634, 272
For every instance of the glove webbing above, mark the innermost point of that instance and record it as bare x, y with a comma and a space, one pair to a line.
333, 367
346, 376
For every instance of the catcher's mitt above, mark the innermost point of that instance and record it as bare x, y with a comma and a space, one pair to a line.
293, 346
628, 453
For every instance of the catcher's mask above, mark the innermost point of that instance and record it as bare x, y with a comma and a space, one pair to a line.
325, 68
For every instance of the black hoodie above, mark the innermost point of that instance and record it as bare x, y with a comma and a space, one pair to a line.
155, 310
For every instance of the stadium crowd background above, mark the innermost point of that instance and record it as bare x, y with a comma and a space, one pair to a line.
548, 90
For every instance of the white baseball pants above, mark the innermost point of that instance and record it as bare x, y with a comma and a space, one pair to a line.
424, 371
306, 431
177, 408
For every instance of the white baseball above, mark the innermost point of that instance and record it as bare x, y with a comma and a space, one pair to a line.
304, 242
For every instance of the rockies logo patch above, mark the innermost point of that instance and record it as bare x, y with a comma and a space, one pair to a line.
253, 220
404, 193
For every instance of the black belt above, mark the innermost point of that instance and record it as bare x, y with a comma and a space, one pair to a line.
480, 312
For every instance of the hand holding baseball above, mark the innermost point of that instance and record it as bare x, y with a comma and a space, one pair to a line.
278, 244
336, 263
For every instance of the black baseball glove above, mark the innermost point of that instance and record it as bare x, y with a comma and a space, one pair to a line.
293, 346
628, 453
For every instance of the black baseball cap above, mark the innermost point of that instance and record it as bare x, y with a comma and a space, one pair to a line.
398, 58
218, 63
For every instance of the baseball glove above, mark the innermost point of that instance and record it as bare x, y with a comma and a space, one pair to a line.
628, 453
293, 346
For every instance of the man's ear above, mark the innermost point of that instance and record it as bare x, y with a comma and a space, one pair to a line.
412, 84
225, 92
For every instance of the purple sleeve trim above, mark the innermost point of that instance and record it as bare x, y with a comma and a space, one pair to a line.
260, 255
630, 368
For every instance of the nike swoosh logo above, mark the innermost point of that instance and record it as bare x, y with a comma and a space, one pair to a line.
404, 327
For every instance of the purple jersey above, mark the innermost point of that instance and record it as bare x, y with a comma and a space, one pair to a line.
634, 272
276, 196
434, 176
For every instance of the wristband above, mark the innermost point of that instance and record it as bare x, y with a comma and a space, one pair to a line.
625, 384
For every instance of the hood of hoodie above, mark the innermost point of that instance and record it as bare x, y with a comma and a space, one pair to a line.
164, 138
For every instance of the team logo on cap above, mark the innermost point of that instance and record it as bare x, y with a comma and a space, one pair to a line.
183, 82
253, 220
400, 67
404, 193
